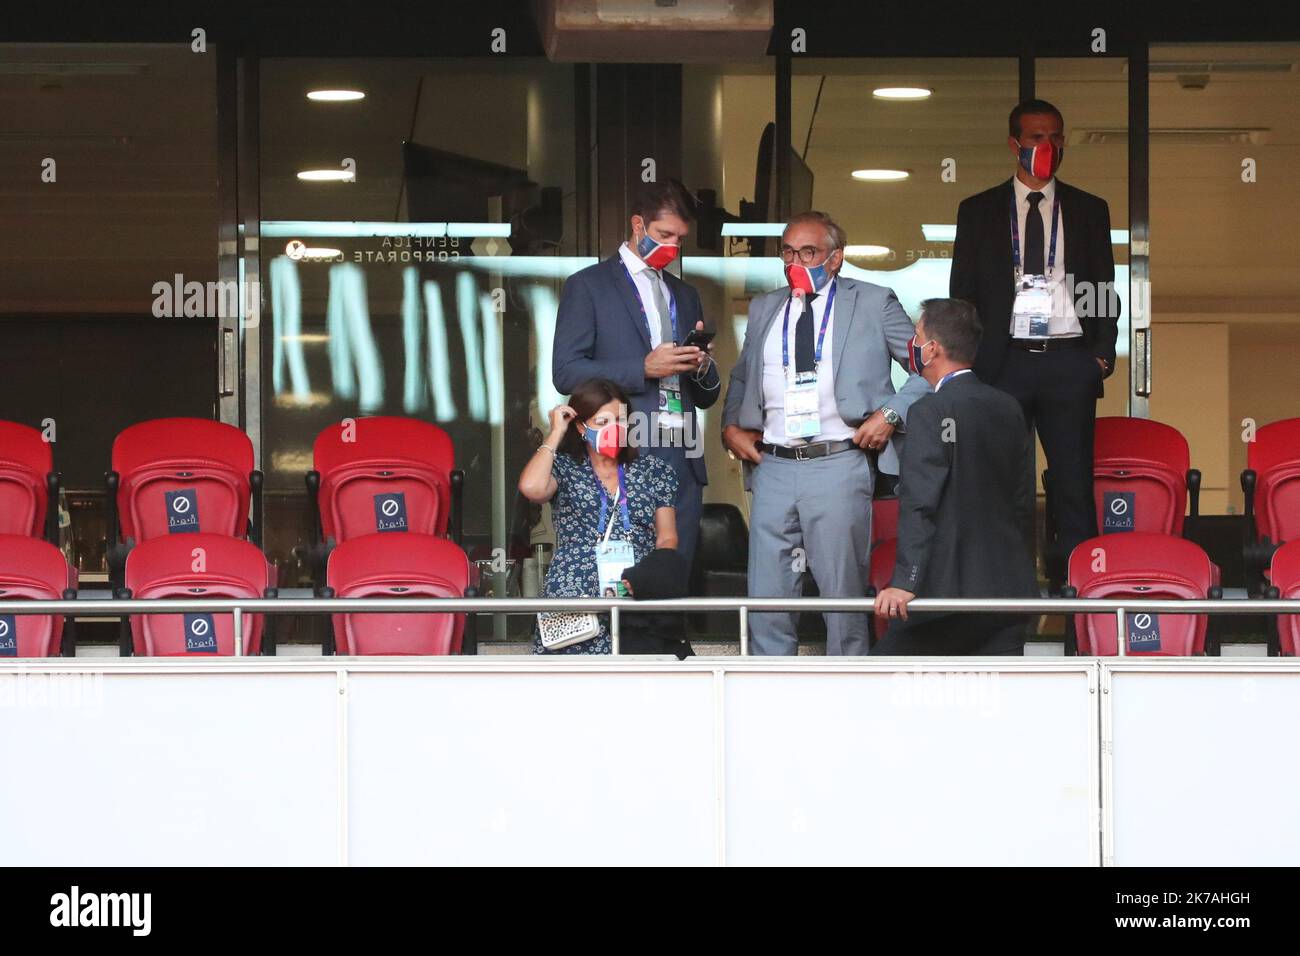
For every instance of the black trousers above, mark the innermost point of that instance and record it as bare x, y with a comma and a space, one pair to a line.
949, 635
1058, 393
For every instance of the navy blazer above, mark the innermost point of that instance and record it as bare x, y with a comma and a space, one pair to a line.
600, 332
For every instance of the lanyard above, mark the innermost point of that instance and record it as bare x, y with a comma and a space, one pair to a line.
1015, 232
821, 335
672, 302
622, 503
943, 381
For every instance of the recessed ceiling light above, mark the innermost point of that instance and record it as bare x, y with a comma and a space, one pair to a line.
901, 93
326, 175
335, 96
866, 252
879, 175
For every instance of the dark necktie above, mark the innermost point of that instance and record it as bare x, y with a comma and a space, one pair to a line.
805, 350
1033, 251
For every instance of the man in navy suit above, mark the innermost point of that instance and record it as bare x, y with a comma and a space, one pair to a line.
625, 319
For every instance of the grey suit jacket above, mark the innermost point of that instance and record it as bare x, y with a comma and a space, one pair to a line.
871, 329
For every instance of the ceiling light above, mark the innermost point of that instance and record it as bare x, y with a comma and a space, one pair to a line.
881, 175
326, 175
902, 93
335, 96
866, 252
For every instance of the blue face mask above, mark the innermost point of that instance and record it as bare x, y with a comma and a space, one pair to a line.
918, 362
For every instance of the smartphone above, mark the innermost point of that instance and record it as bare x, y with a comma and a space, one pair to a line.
699, 339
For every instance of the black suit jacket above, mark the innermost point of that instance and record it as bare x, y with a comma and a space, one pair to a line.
966, 495
982, 271
601, 333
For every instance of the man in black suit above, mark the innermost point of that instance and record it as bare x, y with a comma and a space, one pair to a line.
1042, 281
965, 494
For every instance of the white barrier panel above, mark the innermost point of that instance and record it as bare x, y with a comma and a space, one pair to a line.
566, 760
121, 766
940, 764
531, 767
1203, 770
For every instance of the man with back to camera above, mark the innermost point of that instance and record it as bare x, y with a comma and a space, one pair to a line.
965, 493
1033, 255
626, 319
812, 412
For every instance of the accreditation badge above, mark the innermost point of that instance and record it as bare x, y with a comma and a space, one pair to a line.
802, 412
1032, 314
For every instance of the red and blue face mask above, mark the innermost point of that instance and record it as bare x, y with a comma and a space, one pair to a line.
916, 357
1041, 161
808, 279
655, 254
608, 439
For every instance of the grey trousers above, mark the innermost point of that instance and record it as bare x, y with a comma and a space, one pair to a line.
815, 513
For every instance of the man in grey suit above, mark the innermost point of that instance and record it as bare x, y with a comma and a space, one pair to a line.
627, 319
811, 410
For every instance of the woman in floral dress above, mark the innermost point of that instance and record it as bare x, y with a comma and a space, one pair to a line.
577, 469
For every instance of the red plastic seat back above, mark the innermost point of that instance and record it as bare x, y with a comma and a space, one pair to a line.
197, 567
25, 460
383, 474
1139, 476
182, 475
884, 555
1284, 573
32, 570
1142, 566
1274, 455
392, 566
884, 519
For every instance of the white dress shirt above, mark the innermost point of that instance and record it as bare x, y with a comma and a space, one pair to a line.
833, 427
1063, 321
641, 279
640, 273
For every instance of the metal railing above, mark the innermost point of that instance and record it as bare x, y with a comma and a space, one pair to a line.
618, 606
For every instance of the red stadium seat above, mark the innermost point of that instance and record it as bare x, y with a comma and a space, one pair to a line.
1284, 572
34, 570
398, 565
884, 519
201, 566
884, 553
181, 475
1271, 483
29, 488
1142, 566
383, 474
1141, 476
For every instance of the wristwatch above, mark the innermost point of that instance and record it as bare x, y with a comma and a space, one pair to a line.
892, 417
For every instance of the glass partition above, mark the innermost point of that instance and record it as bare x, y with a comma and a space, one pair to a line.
414, 240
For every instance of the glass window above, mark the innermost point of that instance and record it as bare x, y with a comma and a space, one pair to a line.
109, 302
1225, 194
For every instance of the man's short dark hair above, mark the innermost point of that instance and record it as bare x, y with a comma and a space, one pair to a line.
1031, 108
955, 325
656, 199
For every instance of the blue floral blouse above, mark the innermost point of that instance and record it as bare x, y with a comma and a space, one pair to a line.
575, 510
